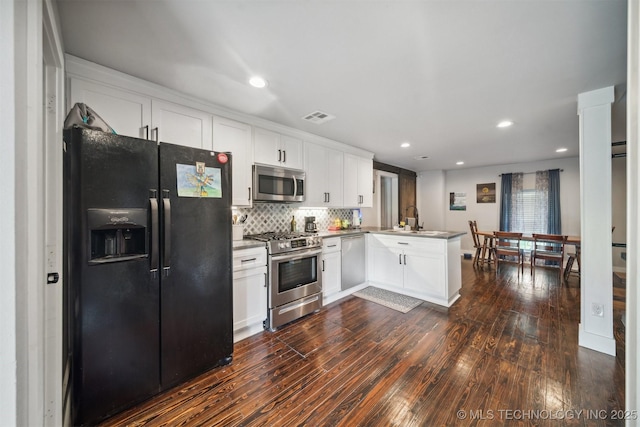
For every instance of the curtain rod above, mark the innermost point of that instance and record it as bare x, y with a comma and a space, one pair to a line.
529, 173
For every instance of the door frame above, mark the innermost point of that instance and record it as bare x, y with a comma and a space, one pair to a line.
54, 364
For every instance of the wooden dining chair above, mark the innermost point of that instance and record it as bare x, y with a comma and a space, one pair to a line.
473, 225
548, 247
507, 245
573, 257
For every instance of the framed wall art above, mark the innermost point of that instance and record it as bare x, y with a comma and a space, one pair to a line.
486, 193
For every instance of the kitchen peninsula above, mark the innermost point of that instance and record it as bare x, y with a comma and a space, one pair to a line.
422, 264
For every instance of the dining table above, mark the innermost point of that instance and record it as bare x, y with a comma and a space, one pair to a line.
488, 237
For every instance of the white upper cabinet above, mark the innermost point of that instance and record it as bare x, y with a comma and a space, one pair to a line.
132, 114
128, 113
180, 125
358, 181
324, 170
272, 148
235, 137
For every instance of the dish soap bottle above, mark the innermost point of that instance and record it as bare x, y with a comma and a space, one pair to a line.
293, 224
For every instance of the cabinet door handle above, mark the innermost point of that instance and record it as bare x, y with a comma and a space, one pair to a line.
405, 259
265, 280
279, 155
146, 129
284, 156
249, 198
331, 246
248, 259
322, 265
328, 197
403, 243
400, 259
155, 129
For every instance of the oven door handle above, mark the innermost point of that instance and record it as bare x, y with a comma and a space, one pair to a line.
295, 255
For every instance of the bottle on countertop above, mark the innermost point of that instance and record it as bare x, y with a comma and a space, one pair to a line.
293, 224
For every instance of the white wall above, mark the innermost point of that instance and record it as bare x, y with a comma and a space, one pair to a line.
430, 190
434, 189
8, 393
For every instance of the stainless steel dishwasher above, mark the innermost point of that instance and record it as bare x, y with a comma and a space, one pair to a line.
353, 262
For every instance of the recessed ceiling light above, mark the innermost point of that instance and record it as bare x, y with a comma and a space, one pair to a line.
459, 163
257, 81
405, 145
504, 124
561, 150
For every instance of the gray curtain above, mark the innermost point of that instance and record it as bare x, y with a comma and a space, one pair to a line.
541, 203
554, 223
505, 202
511, 202
547, 203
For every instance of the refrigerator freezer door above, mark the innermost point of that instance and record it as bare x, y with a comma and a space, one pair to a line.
196, 282
112, 307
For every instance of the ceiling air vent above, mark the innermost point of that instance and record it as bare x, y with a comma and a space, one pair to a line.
318, 117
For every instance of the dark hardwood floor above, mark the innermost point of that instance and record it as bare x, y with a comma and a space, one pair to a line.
506, 353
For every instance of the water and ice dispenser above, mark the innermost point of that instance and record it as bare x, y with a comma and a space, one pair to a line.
117, 234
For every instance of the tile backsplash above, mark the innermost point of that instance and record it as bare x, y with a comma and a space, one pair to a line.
264, 217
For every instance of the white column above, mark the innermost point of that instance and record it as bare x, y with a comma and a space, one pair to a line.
596, 281
632, 342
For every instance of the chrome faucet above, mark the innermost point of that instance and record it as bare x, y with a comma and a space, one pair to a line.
415, 210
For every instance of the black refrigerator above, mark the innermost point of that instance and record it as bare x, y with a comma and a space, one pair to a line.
148, 267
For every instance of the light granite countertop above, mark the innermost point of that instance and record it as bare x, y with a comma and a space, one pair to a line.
432, 234
248, 243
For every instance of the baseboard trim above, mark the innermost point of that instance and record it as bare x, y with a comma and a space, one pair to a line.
596, 342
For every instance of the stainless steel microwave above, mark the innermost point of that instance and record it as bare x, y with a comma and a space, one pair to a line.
274, 184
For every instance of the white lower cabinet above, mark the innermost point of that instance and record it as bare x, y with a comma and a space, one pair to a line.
386, 265
424, 273
426, 268
249, 291
331, 266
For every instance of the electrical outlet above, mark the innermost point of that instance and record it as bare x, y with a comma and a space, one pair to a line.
597, 309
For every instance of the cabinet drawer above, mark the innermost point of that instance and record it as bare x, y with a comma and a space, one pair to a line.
332, 244
244, 259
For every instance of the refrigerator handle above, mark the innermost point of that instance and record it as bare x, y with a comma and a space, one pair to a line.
166, 255
153, 201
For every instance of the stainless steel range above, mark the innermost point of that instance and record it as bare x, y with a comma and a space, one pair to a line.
295, 277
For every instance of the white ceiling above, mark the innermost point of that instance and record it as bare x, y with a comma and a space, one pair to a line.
439, 74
